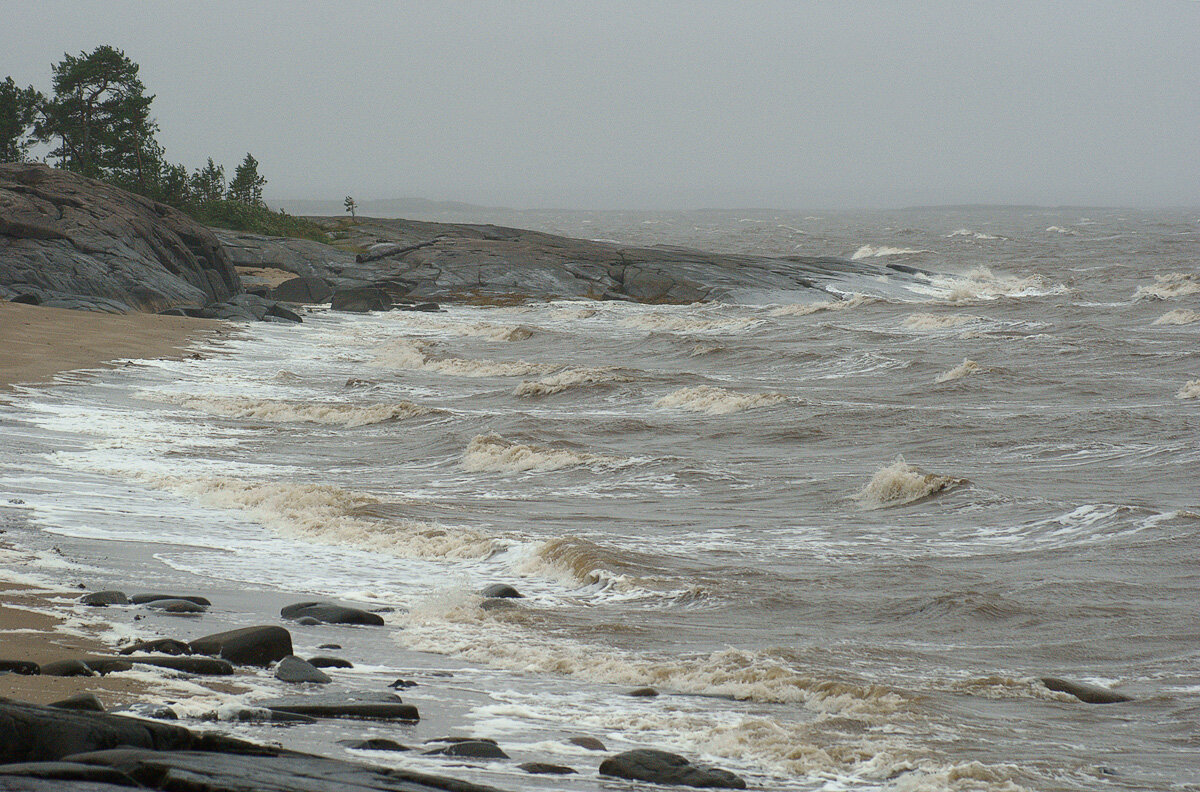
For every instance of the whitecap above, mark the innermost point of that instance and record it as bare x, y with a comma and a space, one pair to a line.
1190, 390
491, 453
871, 251
571, 378
718, 401
1169, 286
964, 369
900, 483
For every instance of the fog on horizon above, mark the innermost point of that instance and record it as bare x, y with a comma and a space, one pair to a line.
662, 105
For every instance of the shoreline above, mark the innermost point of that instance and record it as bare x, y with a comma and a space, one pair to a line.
37, 343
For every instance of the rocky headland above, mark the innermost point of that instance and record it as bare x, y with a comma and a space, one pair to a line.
71, 242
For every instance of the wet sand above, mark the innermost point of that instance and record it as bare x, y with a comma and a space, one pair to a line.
36, 343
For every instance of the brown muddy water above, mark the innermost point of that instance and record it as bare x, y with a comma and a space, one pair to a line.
843, 539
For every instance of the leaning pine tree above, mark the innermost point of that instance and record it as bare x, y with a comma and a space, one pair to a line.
246, 186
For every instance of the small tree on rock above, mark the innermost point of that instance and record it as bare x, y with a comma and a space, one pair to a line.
247, 185
350, 205
18, 110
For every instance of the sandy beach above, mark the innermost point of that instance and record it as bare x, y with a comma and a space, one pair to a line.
36, 343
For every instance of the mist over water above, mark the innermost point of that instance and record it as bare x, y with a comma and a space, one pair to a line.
844, 537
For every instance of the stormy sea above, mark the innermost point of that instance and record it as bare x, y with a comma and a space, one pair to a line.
844, 540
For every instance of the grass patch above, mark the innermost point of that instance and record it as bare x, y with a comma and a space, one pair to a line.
237, 216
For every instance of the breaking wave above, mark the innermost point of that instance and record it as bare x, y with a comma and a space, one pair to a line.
870, 251
1180, 316
900, 483
570, 378
328, 514
925, 321
804, 309
1060, 230
1190, 390
966, 368
966, 232
718, 401
409, 354
491, 453
575, 562
1169, 286
982, 284
271, 410
685, 323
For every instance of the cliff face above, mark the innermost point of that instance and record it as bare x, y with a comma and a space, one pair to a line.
74, 242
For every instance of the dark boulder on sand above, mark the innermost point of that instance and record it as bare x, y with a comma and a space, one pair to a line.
66, 668
143, 599
662, 767
331, 613
85, 702
329, 662
1090, 694
99, 599
179, 607
25, 667
70, 239
169, 646
257, 646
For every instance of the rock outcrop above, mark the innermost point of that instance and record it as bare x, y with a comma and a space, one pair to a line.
72, 242
416, 261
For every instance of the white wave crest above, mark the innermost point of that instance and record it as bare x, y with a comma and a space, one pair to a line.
275, 411
327, 514
1060, 230
982, 284
717, 401
1169, 286
804, 309
409, 354
1180, 316
871, 251
900, 483
926, 321
491, 453
688, 322
1190, 390
571, 378
966, 232
964, 369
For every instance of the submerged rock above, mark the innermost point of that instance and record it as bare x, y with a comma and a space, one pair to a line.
545, 768
330, 613
590, 743
99, 599
1090, 694
329, 662
374, 744
501, 591
143, 599
180, 607
380, 706
662, 767
474, 749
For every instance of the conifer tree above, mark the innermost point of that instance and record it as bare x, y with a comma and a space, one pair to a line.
247, 185
18, 109
208, 183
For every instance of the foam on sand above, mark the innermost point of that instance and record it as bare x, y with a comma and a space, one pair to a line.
418, 355
718, 401
900, 483
571, 378
871, 251
275, 411
1169, 286
1190, 390
1180, 316
926, 321
964, 369
327, 514
491, 453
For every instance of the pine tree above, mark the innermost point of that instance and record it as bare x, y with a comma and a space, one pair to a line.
350, 205
100, 117
18, 109
208, 184
247, 185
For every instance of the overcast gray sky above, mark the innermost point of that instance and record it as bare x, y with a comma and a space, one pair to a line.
662, 104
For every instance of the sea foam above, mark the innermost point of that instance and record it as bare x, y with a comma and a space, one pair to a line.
275, 411
871, 251
1180, 316
804, 309
966, 368
717, 401
1169, 286
410, 354
491, 453
571, 378
926, 321
1190, 390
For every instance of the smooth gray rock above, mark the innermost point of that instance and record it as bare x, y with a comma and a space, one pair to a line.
257, 646
1090, 694
99, 599
662, 767
374, 744
643, 692
201, 666
76, 239
25, 667
294, 669
66, 668
303, 290
96, 778
86, 702
590, 743
329, 662
169, 646
143, 599
501, 591
545, 768
331, 613
360, 299
381, 706
176, 606
474, 749
31, 733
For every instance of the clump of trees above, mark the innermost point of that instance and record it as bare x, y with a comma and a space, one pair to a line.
97, 123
